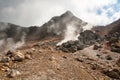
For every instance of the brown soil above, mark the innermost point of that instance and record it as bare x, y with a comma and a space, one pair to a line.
47, 63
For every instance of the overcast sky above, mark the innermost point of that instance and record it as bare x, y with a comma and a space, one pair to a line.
37, 12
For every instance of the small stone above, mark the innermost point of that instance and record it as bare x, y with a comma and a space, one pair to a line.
13, 73
98, 55
5, 69
64, 57
33, 49
9, 53
40, 51
118, 62
29, 52
27, 56
108, 57
94, 66
77, 59
19, 57
6, 64
5, 59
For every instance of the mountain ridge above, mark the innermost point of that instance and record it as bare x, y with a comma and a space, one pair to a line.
56, 26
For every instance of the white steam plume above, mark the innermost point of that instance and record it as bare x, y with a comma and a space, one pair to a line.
70, 34
87, 27
10, 44
14, 45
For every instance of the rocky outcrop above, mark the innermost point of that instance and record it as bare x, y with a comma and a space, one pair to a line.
85, 39
71, 46
113, 41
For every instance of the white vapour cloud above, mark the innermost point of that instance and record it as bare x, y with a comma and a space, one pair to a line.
36, 12
70, 34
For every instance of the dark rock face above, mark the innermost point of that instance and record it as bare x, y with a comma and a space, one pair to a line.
114, 41
85, 39
111, 34
71, 46
88, 37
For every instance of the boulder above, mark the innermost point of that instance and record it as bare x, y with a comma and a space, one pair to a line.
18, 56
115, 49
94, 66
9, 53
88, 37
96, 47
114, 74
28, 56
118, 62
5, 59
70, 46
13, 73
108, 57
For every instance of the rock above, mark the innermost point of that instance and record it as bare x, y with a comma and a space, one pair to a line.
96, 47
115, 49
18, 56
88, 37
36, 45
9, 53
111, 73
33, 49
13, 73
117, 70
6, 64
118, 62
78, 59
28, 56
29, 52
64, 57
70, 46
15, 56
98, 55
6, 69
5, 59
108, 57
94, 66
113, 41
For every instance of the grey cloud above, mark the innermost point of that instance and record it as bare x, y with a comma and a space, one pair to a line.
37, 12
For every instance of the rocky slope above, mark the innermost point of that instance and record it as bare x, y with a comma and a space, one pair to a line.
41, 61
111, 35
92, 56
110, 28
